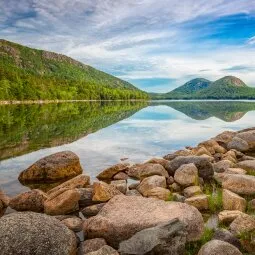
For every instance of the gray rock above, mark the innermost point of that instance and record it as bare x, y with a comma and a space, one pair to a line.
238, 144
222, 166
91, 245
217, 247
121, 185
226, 236
92, 210
203, 164
34, 233
73, 223
164, 239
105, 250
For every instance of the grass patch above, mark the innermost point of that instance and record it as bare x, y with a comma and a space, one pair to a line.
214, 193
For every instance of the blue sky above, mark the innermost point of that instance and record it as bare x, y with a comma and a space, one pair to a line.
155, 44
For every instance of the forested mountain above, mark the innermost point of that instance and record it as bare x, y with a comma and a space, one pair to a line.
31, 74
228, 87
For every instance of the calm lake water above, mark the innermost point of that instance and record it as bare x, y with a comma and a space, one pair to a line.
103, 133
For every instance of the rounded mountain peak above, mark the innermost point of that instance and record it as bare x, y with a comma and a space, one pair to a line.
232, 81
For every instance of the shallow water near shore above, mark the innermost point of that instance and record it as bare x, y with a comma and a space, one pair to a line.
103, 133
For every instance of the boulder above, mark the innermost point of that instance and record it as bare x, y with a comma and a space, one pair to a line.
142, 171
120, 185
80, 181
160, 161
164, 239
133, 185
73, 223
192, 191
232, 201
170, 180
203, 164
92, 210
4, 202
226, 236
218, 247
52, 168
150, 183
64, 201
105, 250
238, 144
120, 176
240, 184
248, 165
178, 198
108, 173
186, 175
235, 171
199, 151
86, 195
32, 200
133, 192
249, 137
91, 245
123, 216
227, 216
244, 223
102, 192
159, 193
171, 156
222, 166
199, 201
224, 138
212, 146
29, 233
175, 187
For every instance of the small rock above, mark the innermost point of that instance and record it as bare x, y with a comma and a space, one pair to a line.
178, 198
105, 250
218, 247
133, 185
199, 201
170, 180
32, 200
86, 195
73, 223
63, 201
159, 193
227, 216
91, 245
103, 192
52, 168
238, 144
192, 191
150, 183
186, 175
222, 166
226, 236
108, 173
120, 176
232, 201
92, 210
164, 239
175, 187
121, 185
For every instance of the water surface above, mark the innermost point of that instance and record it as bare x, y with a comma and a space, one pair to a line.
103, 133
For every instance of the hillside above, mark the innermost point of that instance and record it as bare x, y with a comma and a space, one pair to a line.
228, 87
31, 74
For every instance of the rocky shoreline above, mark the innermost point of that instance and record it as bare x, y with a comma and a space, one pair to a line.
199, 200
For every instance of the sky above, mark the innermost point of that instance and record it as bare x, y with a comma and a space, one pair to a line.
156, 45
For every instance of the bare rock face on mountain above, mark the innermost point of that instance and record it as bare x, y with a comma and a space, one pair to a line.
123, 216
52, 168
29, 233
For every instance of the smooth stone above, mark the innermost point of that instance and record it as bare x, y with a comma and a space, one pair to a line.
159, 193
102, 192
55, 167
160, 161
32, 200
238, 144
232, 201
164, 239
248, 165
199, 201
150, 183
186, 175
217, 247
227, 216
120, 176
73, 223
108, 173
123, 216
192, 191
235, 171
133, 185
86, 195
29, 233
64, 201
92, 210
91, 245
121, 185
249, 137
105, 250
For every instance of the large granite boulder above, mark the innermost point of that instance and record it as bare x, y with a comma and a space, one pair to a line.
164, 239
219, 247
141, 171
52, 168
108, 173
29, 233
123, 216
32, 200
238, 183
203, 164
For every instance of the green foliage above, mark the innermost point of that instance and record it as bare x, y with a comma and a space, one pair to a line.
193, 248
26, 128
214, 194
29, 74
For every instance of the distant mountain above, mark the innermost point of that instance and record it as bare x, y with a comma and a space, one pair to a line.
31, 74
228, 87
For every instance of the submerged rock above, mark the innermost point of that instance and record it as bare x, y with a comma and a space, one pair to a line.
34, 233
164, 239
52, 168
123, 216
